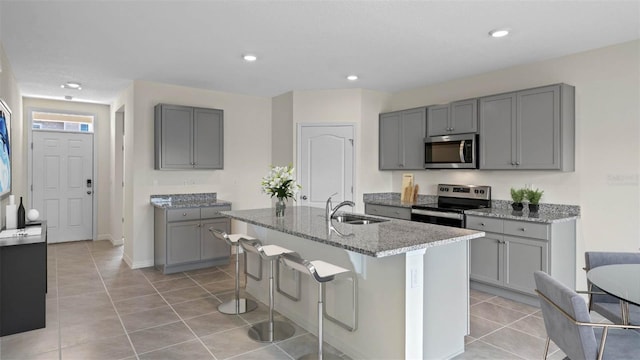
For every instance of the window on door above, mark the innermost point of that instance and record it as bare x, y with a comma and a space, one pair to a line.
62, 122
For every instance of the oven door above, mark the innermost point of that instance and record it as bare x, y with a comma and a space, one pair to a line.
451, 152
438, 217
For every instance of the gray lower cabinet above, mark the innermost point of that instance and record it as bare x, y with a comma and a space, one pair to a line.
397, 212
401, 139
504, 260
528, 130
188, 138
182, 240
459, 117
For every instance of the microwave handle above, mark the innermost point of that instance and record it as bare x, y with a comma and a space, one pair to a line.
462, 152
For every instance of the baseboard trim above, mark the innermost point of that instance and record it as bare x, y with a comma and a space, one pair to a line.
104, 237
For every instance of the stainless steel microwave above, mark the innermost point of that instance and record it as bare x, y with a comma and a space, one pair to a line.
451, 152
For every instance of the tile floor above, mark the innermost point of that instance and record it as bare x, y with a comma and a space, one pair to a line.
98, 308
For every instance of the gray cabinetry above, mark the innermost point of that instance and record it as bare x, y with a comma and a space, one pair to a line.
530, 129
459, 117
182, 240
401, 140
504, 260
398, 212
188, 137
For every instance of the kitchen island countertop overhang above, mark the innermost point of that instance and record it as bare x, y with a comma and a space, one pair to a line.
391, 237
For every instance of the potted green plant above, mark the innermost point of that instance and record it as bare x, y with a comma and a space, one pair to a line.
517, 195
534, 199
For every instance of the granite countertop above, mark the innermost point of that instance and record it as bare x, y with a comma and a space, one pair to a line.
177, 201
393, 199
549, 213
392, 237
547, 216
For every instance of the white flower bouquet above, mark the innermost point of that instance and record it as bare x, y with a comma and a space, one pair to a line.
280, 182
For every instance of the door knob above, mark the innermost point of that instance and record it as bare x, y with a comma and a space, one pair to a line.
304, 197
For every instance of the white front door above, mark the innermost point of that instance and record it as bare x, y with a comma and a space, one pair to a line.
63, 184
325, 163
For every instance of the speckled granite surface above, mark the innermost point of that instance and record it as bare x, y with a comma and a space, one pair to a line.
543, 216
176, 201
387, 238
548, 213
393, 199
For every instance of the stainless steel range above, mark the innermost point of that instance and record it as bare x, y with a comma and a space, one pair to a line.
453, 200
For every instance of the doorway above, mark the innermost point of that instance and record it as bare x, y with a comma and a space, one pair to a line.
62, 186
325, 163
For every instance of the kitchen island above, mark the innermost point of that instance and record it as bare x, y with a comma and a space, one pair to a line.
411, 282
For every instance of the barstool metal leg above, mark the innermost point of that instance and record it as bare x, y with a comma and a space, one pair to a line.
320, 315
320, 355
270, 331
237, 305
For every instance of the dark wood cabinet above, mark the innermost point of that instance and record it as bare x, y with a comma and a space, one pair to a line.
23, 284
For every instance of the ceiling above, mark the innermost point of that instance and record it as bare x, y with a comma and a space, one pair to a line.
301, 45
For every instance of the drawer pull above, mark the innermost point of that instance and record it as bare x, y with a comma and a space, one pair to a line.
481, 224
184, 214
523, 229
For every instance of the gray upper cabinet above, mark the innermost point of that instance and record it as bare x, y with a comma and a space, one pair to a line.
401, 140
459, 117
188, 137
528, 130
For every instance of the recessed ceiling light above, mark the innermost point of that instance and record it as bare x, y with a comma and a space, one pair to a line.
352, 77
250, 57
72, 85
498, 33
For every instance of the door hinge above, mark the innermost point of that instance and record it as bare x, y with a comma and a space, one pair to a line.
351, 141
31, 146
31, 187
352, 189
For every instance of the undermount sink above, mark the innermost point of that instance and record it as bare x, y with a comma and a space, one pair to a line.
357, 219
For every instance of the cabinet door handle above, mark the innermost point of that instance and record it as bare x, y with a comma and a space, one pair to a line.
517, 162
523, 229
481, 224
184, 214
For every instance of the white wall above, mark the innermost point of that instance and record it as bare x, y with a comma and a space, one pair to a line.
282, 130
605, 183
101, 137
10, 93
122, 199
247, 155
360, 108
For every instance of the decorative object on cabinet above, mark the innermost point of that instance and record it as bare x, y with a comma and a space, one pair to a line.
534, 199
517, 195
11, 213
530, 129
401, 139
21, 215
33, 214
281, 183
188, 138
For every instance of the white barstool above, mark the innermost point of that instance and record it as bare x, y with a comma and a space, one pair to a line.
321, 272
237, 305
270, 330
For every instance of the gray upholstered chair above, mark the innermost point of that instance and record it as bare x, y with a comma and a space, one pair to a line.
605, 304
568, 324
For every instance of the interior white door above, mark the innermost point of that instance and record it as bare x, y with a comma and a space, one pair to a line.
63, 184
325, 163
